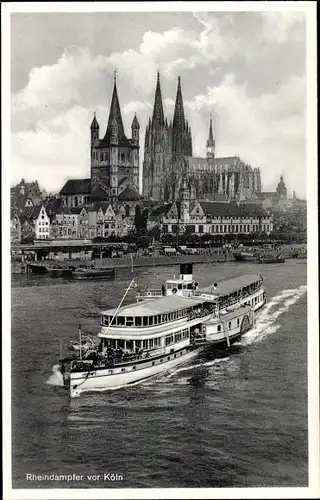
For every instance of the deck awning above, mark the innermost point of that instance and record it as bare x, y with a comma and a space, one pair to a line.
230, 286
157, 306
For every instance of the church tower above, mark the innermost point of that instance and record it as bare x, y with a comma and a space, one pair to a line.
114, 158
156, 150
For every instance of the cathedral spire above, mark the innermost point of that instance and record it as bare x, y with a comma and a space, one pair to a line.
211, 145
178, 116
158, 116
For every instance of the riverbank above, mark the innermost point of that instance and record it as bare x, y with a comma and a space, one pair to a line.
127, 261
137, 262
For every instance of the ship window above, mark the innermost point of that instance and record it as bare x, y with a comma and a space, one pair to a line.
150, 320
120, 321
155, 319
168, 358
181, 353
177, 337
145, 321
219, 328
161, 360
113, 321
129, 321
152, 363
138, 321
150, 343
134, 367
165, 318
123, 369
229, 324
159, 318
179, 286
175, 355
238, 322
138, 343
145, 344
157, 342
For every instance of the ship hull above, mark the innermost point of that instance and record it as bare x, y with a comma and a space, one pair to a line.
112, 378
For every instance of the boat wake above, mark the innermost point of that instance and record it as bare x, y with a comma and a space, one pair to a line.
198, 365
56, 377
266, 320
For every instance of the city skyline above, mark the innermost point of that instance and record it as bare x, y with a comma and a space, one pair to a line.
245, 68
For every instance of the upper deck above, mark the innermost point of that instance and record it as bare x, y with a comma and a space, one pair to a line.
231, 286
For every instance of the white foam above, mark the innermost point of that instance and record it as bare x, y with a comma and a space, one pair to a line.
56, 378
265, 324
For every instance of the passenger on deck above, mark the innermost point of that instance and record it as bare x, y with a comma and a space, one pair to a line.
163, 289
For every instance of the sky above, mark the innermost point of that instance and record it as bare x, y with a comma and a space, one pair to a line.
246, 68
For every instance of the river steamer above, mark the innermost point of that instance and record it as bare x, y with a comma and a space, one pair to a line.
141, 340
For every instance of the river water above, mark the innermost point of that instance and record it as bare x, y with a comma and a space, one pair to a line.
235, 419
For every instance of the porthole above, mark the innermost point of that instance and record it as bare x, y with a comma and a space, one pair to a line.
161, 360
152, 363
168, 358
175, 355
133, 368
123, 369
181, 353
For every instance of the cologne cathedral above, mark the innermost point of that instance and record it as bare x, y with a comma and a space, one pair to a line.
168, 161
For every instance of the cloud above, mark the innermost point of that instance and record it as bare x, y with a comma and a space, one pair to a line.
51, 115
267, 131
277, 26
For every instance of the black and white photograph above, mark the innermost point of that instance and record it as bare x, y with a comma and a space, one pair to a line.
160, 267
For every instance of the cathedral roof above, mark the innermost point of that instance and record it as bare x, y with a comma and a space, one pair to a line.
129, 194
114, 116
231, 161
76, 186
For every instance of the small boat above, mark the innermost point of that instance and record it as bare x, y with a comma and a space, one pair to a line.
142, 339
271, 259
260, 256
86, 273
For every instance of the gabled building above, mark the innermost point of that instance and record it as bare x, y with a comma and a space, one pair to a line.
35, 223
70, 223
104, 221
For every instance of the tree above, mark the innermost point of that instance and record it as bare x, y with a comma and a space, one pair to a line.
155, 233
140, 221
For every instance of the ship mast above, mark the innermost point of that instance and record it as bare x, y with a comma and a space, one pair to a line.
132, 285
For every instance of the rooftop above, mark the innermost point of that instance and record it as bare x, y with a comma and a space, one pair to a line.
232, 285
156, 306
76, 186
